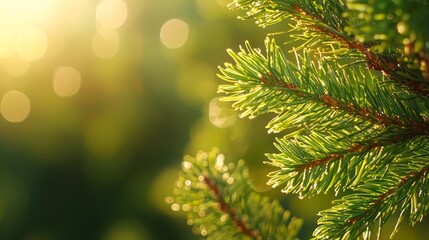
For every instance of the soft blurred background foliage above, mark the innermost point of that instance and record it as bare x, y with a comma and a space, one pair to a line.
100, 100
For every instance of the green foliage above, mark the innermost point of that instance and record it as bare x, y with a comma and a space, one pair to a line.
222, 205
310, 95
347, 29
401, 186
352, 106
400, 31
398, 22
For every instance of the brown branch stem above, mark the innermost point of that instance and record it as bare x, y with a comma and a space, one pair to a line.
355, 148
401, 183
390, 192
414, 128
417, 128
231, 212
389, 67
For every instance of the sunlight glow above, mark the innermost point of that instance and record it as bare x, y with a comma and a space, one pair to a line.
111, 14
105, 44
31, 44
6, 42
66, 81
174, 33
220, 114
25, 12
15, 106
15, 66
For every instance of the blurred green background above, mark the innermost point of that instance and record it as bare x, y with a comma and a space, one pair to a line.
100, 100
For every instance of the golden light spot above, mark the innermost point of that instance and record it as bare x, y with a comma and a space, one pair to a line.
219, 161
31, 43
230, 180
402, 28
6, 43
105, 44
111, 14
224, 217
174, 33
188, 182
169, 200
15, 106
187, 165
66, 81
220, 114
175, 207
225, 176
25, 12
186, 207
202, 213
15, 66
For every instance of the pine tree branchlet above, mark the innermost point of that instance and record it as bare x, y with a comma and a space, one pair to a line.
351, 100
221, 204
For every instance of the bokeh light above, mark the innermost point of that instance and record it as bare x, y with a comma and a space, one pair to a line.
111, 14
66, 81
6, 42
15, 106
100, 100
221, 114
174, 33
31, 43
15, 66
27, 12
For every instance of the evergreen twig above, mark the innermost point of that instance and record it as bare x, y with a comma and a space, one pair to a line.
353, 109
222, 205
319, 28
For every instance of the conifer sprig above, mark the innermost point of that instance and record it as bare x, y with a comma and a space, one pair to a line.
313, 164
403, 186
326, 25
222, 205
311, 93
353, 109
342, 128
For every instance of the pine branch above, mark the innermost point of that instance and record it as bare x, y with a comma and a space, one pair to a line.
403, 185
307, 15
268, 12
396, 40
311, 93
231, 213
221, 204
324, 23
307, 98
354, 110
315, 163
344, 127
